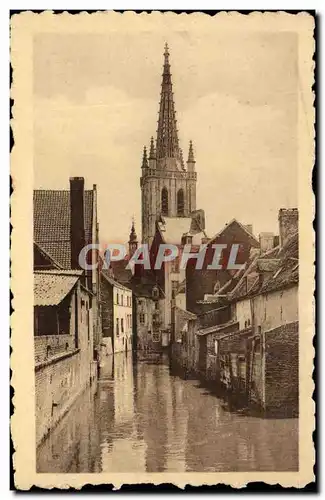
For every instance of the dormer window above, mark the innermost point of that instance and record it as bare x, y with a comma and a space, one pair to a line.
155, 293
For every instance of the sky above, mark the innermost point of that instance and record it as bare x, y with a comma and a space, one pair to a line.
96, 98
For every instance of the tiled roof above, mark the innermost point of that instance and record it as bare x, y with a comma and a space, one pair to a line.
120, 271
52, 223
51, 287
184, 314
113, 282
267, 265
282, 273
37, 247
219, 329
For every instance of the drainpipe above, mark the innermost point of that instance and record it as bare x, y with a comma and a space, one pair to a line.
172, 326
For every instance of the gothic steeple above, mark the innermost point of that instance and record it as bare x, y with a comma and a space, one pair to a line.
167, 138
133, 240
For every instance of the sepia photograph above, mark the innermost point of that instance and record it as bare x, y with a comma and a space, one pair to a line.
162, 189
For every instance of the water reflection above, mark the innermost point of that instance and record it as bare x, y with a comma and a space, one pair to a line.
139, 418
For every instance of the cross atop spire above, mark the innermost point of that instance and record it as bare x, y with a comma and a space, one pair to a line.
167, 138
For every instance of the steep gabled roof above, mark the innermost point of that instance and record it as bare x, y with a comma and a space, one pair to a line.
47, 258
121, 272
253, 241
113, 282
52, 222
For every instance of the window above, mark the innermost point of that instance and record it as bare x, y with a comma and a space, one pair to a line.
117, 298
122, 325
164, 201
156, 337
180, 203
142, 318
174, 265
117, 327
46, 321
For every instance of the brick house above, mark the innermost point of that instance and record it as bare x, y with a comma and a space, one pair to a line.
65, 221
63, 341
201, 283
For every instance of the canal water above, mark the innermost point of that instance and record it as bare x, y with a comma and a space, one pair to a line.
140, 418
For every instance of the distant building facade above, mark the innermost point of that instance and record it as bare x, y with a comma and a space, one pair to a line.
117, 316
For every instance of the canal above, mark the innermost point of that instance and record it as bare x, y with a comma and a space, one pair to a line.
140, 418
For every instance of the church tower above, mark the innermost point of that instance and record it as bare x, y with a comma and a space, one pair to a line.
133, 240
168, 187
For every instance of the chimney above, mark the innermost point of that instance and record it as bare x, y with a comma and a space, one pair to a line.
77, 223
288, 224
266, 242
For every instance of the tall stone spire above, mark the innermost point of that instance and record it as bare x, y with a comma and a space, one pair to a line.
167, 138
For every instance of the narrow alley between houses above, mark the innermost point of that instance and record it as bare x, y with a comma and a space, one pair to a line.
138, 417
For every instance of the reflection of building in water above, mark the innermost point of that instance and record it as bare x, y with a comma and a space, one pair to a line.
120, 449
123, 390
72, 446
177, 425
164, 426
218, 440
143, 419
152, 414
